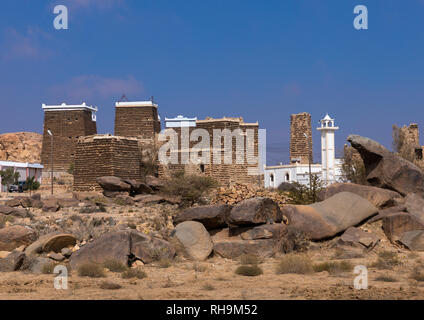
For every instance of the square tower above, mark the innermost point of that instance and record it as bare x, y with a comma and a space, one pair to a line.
301, 138
137, 119
63, 125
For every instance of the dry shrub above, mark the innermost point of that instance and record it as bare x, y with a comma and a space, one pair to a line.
333, 267
107, 285
249, 270
386, 278
417, 274
208, 287
4, 219
294, 240
347, 254
48, 267
134, 273
250, 258
164, 263
199, 267
386, 260
115, 266
91, 270
291, 263
190, 187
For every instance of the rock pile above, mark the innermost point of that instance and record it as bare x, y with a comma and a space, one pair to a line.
239, 192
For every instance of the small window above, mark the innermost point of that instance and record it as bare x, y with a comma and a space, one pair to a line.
419, 153
287, 177
271, 177
202, 168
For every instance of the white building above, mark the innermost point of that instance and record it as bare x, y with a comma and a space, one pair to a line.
329, 170
25, 170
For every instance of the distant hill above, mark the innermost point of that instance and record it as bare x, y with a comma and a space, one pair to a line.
21, 147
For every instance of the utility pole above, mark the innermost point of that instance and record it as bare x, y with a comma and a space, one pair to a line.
51, 157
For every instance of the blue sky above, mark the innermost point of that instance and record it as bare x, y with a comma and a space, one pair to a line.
262, 60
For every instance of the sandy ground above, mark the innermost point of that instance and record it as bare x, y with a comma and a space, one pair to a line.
216, 278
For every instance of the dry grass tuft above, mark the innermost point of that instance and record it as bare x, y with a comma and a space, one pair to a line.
249, 270
292, 263
334, 267
134, 273
107, 285
115, 266
91, 270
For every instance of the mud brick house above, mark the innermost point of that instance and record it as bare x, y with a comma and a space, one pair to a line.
67, 123
243, 172
137, 119
105, 155
300, 138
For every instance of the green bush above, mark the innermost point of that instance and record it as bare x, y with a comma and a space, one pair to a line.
190, 187
305, 194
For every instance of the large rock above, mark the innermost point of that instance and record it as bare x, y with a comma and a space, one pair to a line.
15, 236
35, 264
123, 246
232, 249
149, 249
12, 262
156, 198
413, 240
155, 183
265, 231
138, 187
385, 212
111, 246
359, 238
212, 217
16, 212
384, 169
381, 198
254, 211
51, 242
110, 183
414, 204
194, 240
328, 218
395, 224
50, 205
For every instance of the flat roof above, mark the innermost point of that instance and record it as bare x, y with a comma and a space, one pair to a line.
136, 104
68, 107
21, 164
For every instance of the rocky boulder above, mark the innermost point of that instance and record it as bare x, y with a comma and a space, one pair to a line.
193, 240
149, 249
12, 262
16, 212
114, 184
381, 198
15, 236
254, 211
212, 217
122, 246
328, 218
156, 198
264, 231
414, 204
232, 249
395, 224
51, 242
111, 246
359, 238
413, 240
155, 183
21, 147
50, 205
384, 169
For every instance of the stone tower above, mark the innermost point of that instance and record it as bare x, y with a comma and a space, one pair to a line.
137, 119
301, 138
66, 123
327, 130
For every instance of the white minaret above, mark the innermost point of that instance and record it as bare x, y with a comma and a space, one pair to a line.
327, 149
